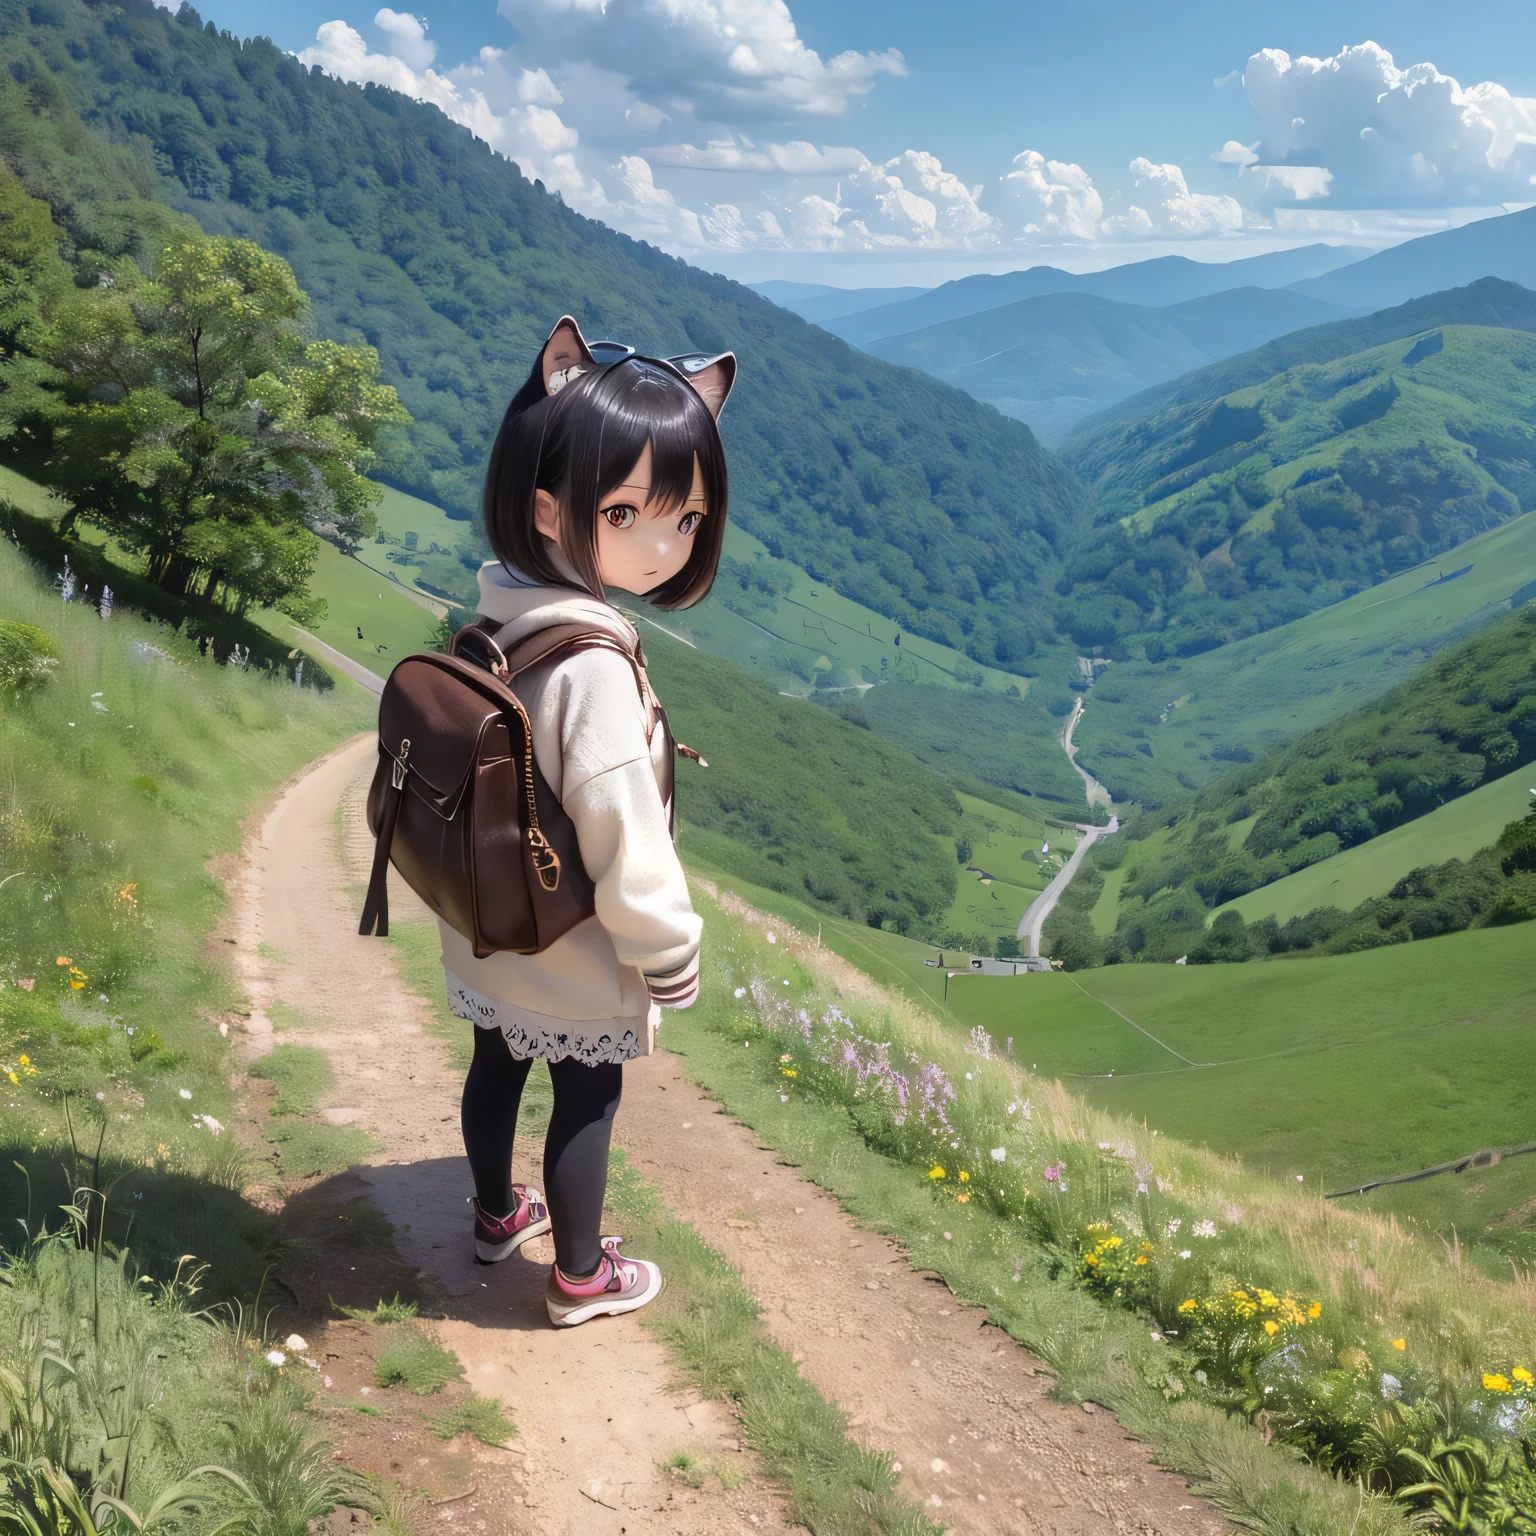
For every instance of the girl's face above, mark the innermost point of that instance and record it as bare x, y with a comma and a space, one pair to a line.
639, 546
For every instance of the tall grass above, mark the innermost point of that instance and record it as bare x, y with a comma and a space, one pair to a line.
1069, 1223
124, 773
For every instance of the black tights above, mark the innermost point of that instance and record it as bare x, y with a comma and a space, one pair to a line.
575, 1146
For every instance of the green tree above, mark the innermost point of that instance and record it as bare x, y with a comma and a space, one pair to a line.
192, 420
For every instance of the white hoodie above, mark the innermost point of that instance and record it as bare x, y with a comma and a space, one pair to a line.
594, 993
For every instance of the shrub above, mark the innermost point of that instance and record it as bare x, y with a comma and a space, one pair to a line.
413, 1357
27, 655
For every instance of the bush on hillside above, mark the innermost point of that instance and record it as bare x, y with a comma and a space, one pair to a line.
27, 654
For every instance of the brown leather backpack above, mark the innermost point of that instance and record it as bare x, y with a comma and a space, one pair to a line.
458, 804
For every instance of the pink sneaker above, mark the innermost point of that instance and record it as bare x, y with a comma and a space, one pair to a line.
499, 1237
620, 1285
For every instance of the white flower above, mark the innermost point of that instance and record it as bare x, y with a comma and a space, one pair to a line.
772, 939
1299, 1178
185, 1093
1173, 1226
999, 1154
101, 1096
783, 1098
1204, 1229
295, 1343
1184, 1253
276, 1357
741, 991
1104, 1146
968, 1077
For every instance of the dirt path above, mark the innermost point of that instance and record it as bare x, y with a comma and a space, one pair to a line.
1097, 794
980, 1444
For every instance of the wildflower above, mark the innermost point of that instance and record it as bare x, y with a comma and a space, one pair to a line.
786, 1057
1183, 1253
964, 1177
276, 1357
936, 1172
100, 1098
999, 1154
27, 983
1495, 1383
163, 1150
1188, 1306
741, 991
789, 1072
772, 939
1315, 1311
63, 960
783, 1098
1523, 1376
1399, 1344
1141, 1258
1204, 1229
963, 1198
185, 1093
16, 1080
1172, 1228
1271, 1327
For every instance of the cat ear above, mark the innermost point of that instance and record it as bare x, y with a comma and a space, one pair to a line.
565, 357
712, 381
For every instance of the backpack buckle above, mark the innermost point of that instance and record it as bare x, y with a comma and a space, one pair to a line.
398, 769
546, 861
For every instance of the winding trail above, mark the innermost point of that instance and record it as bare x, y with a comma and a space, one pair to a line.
1097, 794
959, 1405
1035, 914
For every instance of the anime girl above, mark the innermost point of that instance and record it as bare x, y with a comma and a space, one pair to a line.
608, 471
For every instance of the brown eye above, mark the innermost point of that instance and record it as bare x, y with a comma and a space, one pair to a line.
620, 517
690, 521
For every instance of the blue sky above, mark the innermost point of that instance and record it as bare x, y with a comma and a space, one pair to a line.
906, 141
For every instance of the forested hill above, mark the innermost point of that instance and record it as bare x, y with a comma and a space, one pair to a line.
410, 234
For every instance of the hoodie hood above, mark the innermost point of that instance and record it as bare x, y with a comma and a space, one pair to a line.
523, 608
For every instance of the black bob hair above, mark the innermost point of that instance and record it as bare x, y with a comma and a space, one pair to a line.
578, 445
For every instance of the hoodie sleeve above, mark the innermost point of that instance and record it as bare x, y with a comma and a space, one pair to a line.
609, 791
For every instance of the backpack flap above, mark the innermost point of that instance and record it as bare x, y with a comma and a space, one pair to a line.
434, 735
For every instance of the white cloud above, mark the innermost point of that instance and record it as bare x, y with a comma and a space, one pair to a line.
1163, 205
1388, 137
408, 37
728, 60
797, 158
1053, 197
1240, 155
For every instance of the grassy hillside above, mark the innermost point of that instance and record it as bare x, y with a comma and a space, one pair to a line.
1325, 480
1455, 830
1467, 718
1103, 450
1154, 730
1271, 1063
1052, 360
129, 760
799, 801
412, 235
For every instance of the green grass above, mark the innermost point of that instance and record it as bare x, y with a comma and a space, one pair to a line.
412, 1357
1339, 1069
109, 821
712, 1324
306, 1148
481, 1418
989, 1252
1453, 831
357, 598
1003, 875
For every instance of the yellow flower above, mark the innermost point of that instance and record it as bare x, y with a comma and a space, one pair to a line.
1187, 1306
964, 1176
14, 1078
1271, 1327
1495, 1383
963, 1198
63, 960
1141, 1258
1315, 1311
77, 986
1523, 1376
1091, 1261
25, 1060
790, 1072
1399, 1343
935, 1172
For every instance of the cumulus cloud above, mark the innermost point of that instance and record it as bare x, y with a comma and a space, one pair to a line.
1162, 204
1387, 137
723, 59
1053, 198
407, 37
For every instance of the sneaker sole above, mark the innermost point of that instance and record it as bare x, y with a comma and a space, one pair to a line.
494, 1253
601, 1306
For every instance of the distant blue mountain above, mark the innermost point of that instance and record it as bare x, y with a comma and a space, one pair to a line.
1504, 246
819, 304
1156, 283
1057, 358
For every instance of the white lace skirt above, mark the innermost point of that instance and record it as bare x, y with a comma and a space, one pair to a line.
529, 1034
